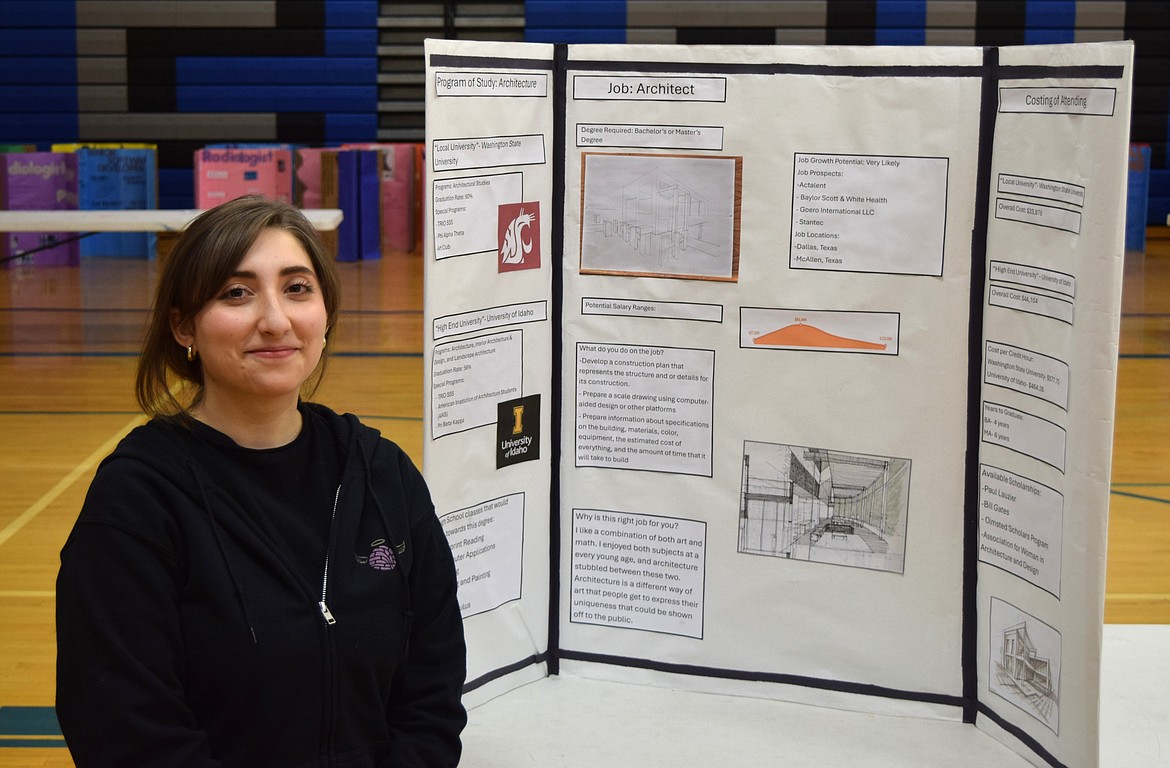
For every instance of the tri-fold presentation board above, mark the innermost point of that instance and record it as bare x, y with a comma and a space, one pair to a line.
783, 372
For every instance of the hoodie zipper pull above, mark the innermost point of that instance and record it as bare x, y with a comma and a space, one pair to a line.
326, 613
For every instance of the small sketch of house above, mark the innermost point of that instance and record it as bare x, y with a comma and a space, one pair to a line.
1023, 671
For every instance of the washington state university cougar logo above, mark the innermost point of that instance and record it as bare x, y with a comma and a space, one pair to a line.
381, 557
519, 236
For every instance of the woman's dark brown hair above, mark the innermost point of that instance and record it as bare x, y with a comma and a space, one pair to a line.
202, 260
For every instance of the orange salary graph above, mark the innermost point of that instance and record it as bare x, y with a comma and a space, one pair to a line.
801, 335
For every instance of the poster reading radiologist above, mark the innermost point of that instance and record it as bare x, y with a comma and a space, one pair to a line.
786, 368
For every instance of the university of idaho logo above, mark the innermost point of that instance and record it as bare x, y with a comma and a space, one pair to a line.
519, 236
517, 430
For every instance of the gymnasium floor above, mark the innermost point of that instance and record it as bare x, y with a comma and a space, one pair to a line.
68, 339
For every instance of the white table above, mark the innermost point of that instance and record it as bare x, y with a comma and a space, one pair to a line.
155, 220
566, 722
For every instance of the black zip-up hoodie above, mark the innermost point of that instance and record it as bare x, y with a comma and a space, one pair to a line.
183, 638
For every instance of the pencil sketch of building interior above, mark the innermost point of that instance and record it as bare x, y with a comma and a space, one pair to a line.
1024, 675
661, 217
824, 506
659, 221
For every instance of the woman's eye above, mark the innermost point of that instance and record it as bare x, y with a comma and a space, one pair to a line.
300, 288
234, 293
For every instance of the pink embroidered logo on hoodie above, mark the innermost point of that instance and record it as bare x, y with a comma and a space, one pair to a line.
381, 557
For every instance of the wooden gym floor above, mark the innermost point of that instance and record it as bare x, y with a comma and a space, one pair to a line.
68, 340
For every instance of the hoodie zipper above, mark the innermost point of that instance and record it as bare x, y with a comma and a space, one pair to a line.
323, 605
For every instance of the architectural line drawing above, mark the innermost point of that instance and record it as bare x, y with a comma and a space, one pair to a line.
661, 215
823, 505
1021, 669
661, 218
1025, 662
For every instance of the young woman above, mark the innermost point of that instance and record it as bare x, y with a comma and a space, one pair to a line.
255, 580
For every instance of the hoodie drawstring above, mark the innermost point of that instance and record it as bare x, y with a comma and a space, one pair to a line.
223, 551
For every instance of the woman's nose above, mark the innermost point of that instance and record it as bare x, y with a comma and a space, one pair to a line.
273, 317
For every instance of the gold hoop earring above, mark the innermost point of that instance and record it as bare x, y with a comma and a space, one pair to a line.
324, 342
191, 353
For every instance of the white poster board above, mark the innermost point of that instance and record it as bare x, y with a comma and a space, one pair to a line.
821, 342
